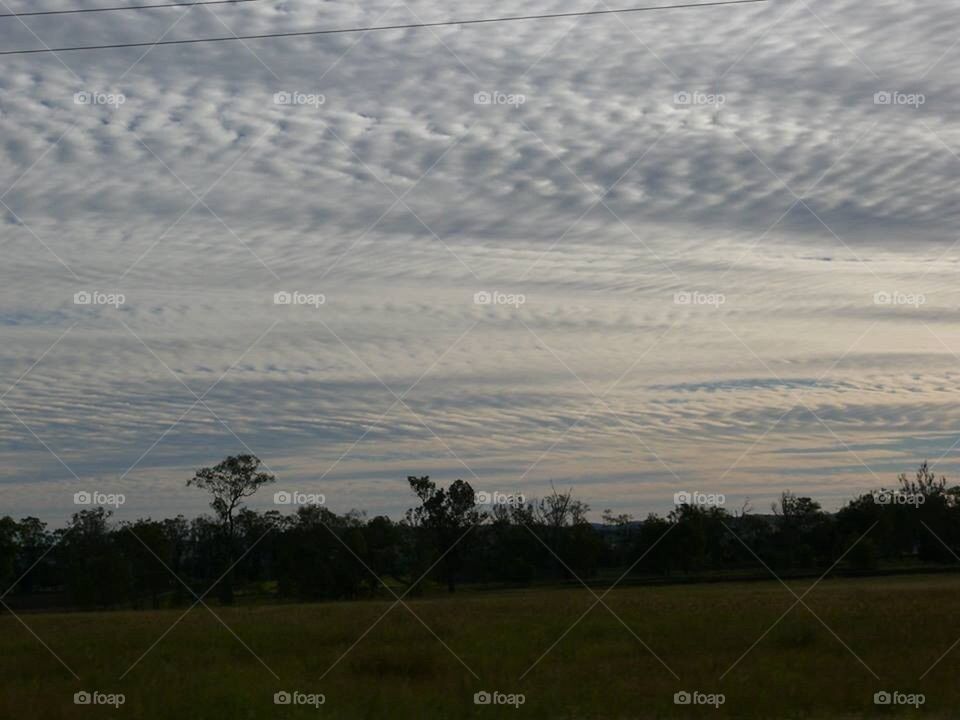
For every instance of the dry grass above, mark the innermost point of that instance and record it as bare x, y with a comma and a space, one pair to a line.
897, 626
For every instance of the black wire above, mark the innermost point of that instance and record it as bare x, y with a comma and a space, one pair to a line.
410, 26
31, 13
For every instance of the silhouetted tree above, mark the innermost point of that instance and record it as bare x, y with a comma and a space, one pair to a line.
94, 568
149, 555
803, 536
316, 554
559, 517
230, 483
447, 515
34, 564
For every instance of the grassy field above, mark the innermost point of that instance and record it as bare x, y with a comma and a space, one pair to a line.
897, 626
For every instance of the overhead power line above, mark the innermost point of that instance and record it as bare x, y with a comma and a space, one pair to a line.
32, 13
378, 28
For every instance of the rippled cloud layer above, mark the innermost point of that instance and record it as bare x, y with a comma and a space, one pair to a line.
633, 254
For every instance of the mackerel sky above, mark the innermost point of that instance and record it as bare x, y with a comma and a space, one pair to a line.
704, 249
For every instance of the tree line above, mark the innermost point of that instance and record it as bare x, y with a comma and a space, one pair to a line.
450, 537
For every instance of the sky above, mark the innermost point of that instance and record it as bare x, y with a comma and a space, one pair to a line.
708, 249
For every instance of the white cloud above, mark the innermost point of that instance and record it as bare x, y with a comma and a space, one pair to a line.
491, 197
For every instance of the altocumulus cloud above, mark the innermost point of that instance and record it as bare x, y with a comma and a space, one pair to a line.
717, 245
